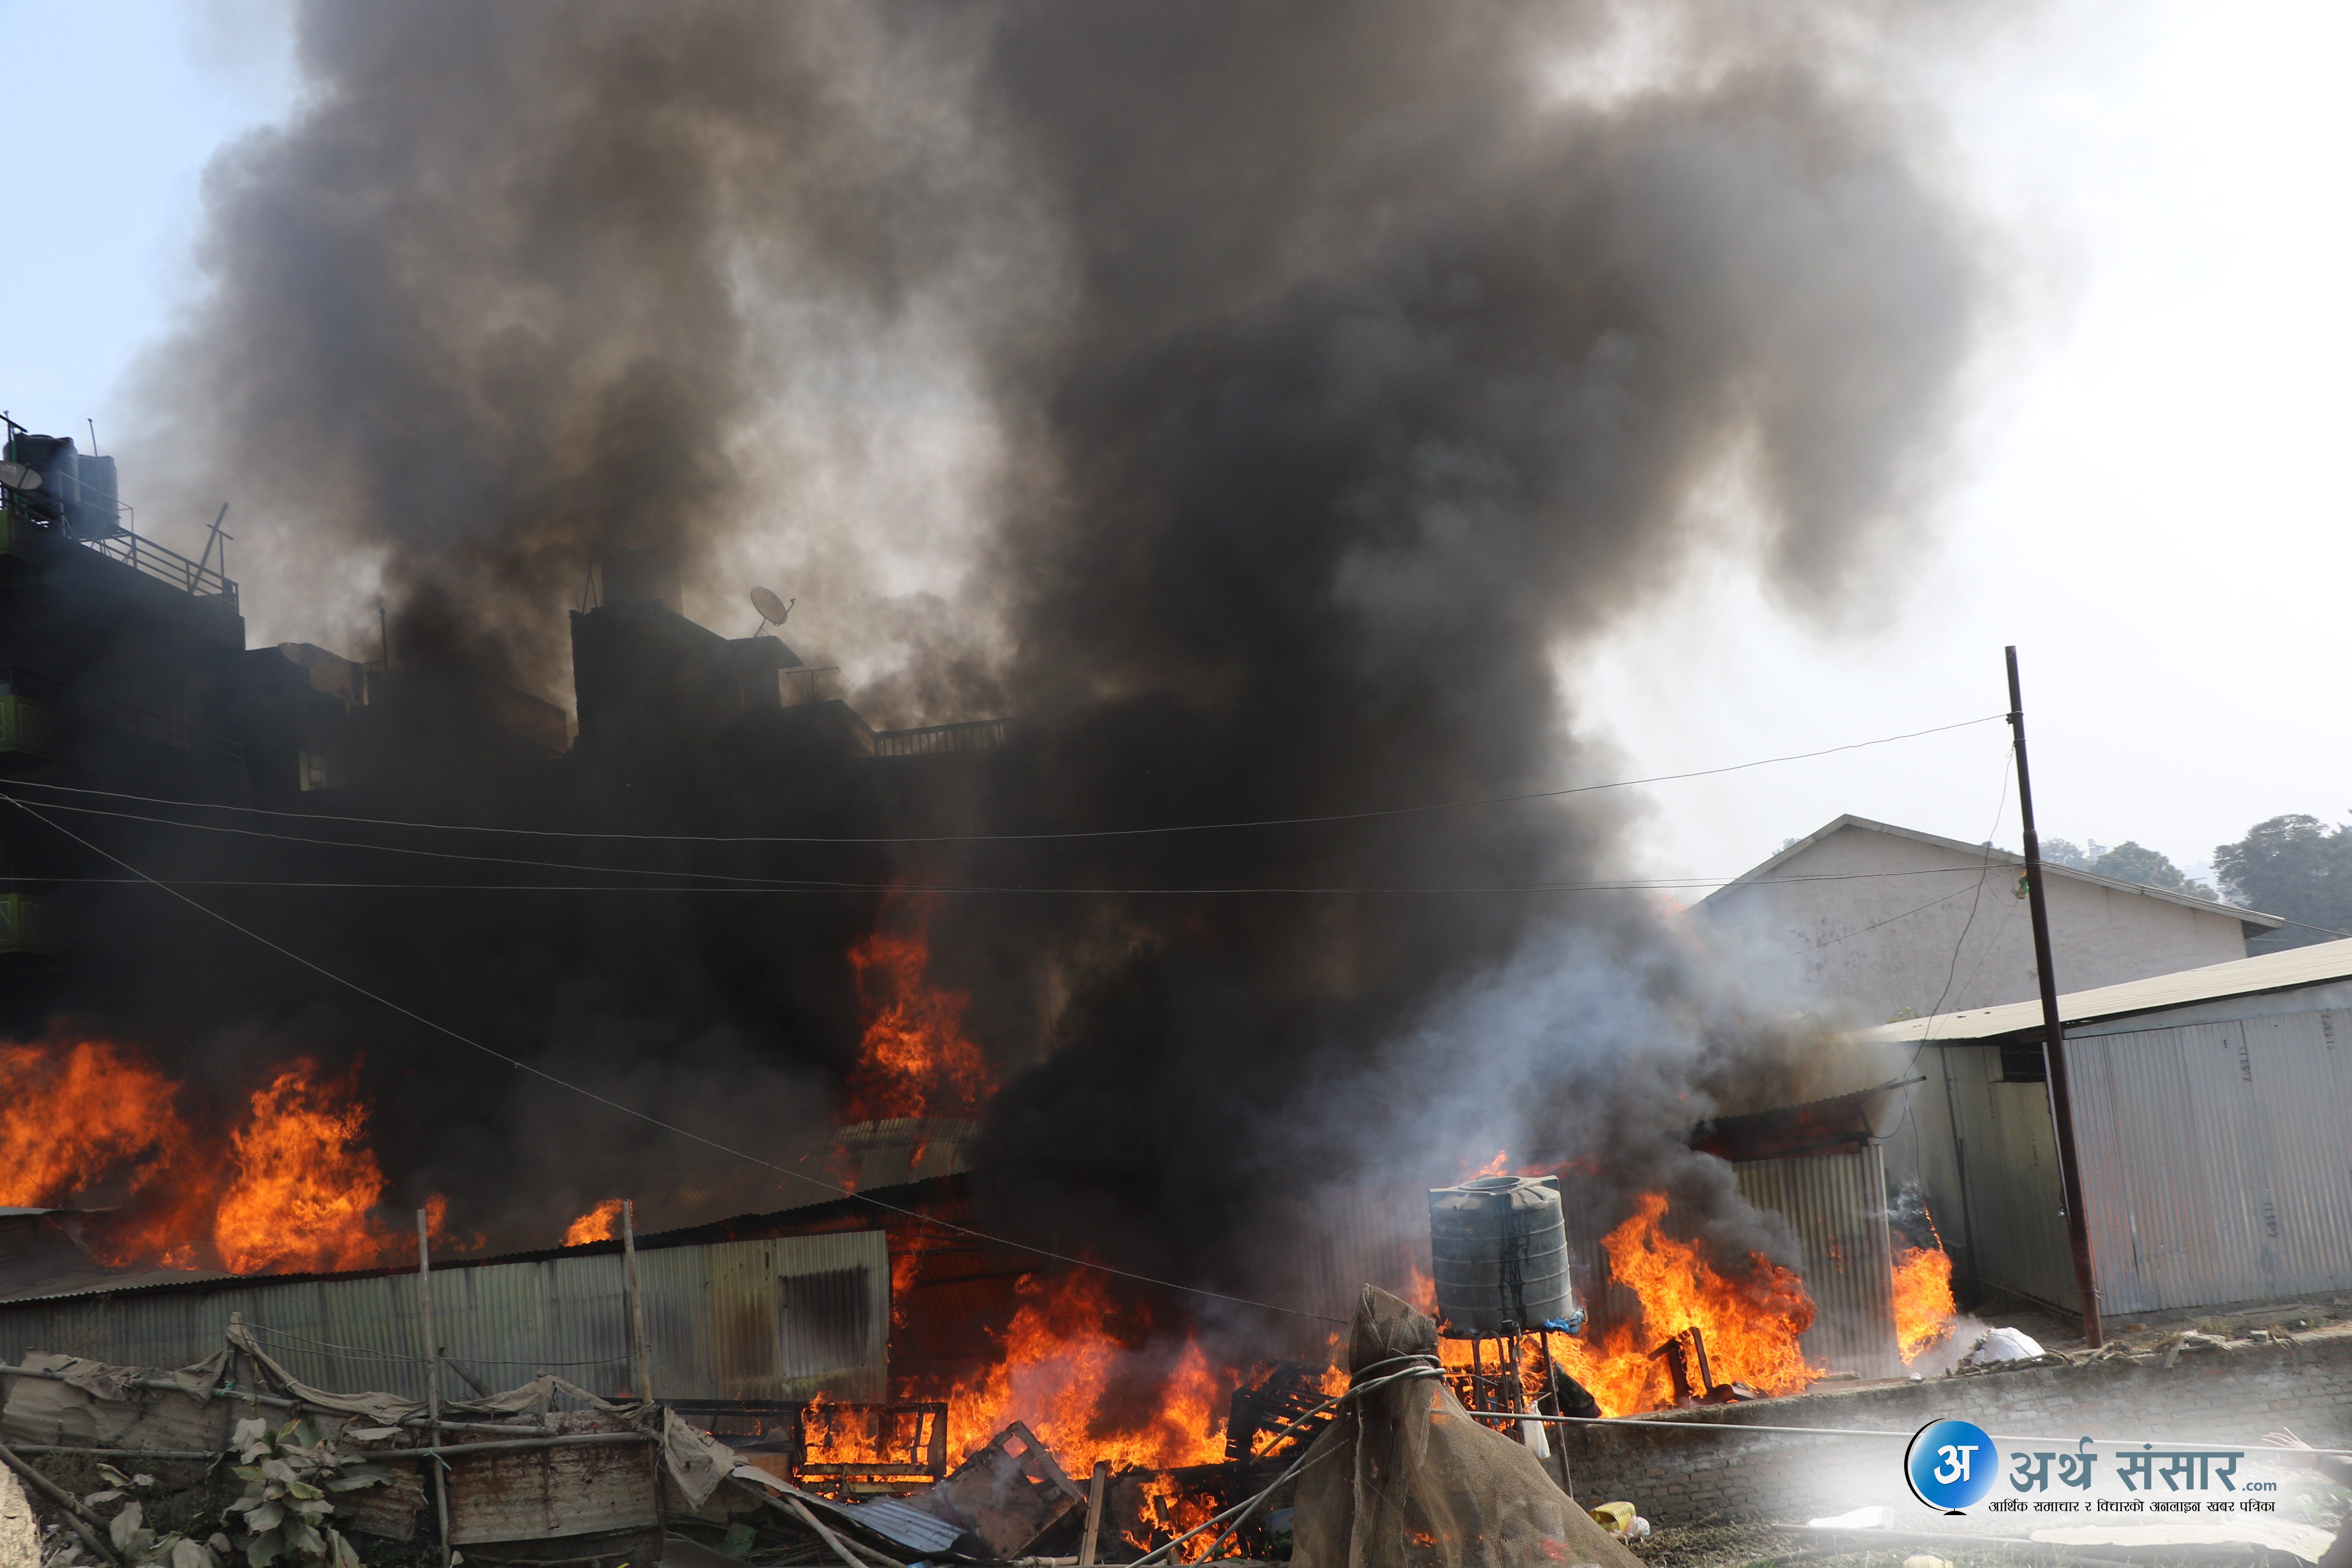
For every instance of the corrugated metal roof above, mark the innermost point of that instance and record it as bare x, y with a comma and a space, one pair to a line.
907, 1525
881, 1207
1998, 857
2298, 966
771, 1319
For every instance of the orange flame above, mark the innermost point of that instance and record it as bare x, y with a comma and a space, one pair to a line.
597, 1224
68, 1118
1924, 1307
74, 1115
1174, 1512
293, 1187
303, 1193
1751, 1326
914, 1059
904, 1267
1061, 1359
834, 1435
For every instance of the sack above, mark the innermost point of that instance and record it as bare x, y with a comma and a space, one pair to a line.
1404, 1477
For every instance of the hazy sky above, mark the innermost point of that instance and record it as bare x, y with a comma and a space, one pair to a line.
2146, 500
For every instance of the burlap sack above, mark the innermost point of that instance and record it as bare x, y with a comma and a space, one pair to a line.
1404, 1479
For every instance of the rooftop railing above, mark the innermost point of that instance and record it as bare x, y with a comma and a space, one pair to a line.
978, 735
166, 565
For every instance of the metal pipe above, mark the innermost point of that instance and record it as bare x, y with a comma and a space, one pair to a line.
516, 1445
253, 1396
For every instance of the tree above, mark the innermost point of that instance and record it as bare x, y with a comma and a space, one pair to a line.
2130, 862
2297, 867
2065, 852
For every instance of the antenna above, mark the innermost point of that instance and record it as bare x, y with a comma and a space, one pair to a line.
215, 535
772, 610
93, 435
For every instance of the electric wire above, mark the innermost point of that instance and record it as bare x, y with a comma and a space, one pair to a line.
780, 886
1301, 820
646, 1117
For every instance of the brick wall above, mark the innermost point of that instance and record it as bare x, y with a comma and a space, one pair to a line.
2225, 1398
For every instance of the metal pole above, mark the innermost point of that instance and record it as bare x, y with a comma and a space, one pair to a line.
1551, 1388
638, 1353
432, 1379
2054, 1034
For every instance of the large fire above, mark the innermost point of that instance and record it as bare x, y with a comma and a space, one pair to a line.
1750, 1325
291, 1187
1067, 1374
914, 1059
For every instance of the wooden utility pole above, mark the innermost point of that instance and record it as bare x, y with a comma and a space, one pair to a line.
432, 1379
1090, 1543
2054, 1034
640, 1353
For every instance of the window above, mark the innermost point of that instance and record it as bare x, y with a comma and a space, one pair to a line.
2022, 1062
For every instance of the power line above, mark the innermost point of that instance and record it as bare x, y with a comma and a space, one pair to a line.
1040, 838
1661, 885
650, 1120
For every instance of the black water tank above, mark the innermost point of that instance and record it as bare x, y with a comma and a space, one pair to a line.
1499, 1246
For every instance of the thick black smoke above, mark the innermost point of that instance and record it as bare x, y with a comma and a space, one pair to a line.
1388, 381
1337, 369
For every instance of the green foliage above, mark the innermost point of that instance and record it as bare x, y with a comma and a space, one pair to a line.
133, 1540
2130, 862
288, 1476
291, 1476
2065, 852
2297, 867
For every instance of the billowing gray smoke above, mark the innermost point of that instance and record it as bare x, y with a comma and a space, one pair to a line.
1342, 366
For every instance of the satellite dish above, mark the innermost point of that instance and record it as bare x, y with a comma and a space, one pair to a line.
17, 476
772, 609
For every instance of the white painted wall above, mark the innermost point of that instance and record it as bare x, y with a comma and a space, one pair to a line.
1911, 929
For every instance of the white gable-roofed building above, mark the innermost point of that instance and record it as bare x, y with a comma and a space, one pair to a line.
1895, 923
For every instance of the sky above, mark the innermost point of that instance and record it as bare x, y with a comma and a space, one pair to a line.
2145, 497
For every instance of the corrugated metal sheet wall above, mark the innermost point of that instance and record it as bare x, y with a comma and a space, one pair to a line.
779, 1319
2007, 1193
2217, 1160
1339, 1240
1837, 1206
